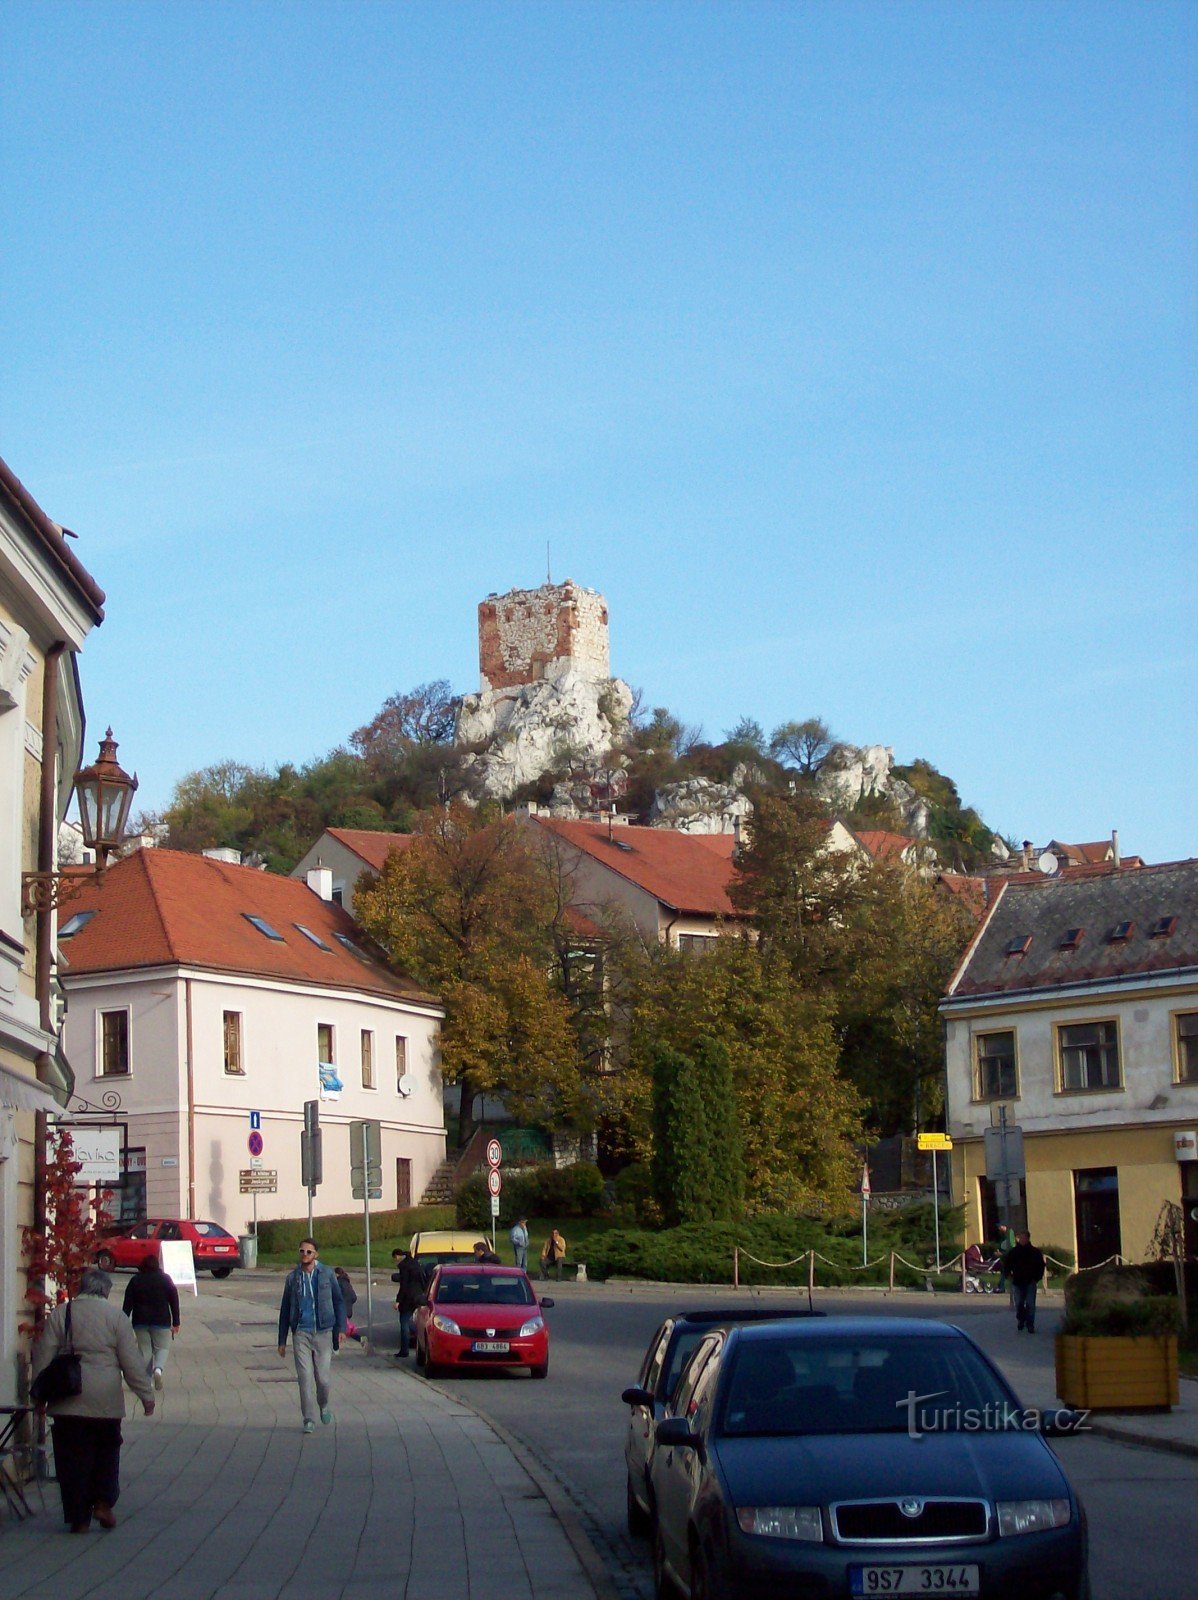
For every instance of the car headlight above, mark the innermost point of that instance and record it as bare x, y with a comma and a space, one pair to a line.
533, 1325
782, 1522
445, 1324
1031, 1516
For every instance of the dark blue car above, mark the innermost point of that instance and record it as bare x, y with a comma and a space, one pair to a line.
859, 1456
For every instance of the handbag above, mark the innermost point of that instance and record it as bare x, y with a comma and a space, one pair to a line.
62, 1377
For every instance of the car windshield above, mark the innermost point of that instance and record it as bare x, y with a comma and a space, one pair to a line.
490, 1289
864, 1383
209, 1230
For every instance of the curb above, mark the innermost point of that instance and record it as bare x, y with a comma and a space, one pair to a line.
1177, 1447
555, 1494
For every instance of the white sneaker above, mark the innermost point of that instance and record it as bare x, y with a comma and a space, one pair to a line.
158, 1379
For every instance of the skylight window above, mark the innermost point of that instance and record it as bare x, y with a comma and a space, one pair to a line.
1019, 946
1071, 938
1163, 927
1121, 932
263, 926
73, 924
344, 939
315, 937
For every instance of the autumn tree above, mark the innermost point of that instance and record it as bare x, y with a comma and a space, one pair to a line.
797, 1118
803, 745
56, 1256
469, 910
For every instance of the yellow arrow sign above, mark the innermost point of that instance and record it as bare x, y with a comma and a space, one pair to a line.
933, 1141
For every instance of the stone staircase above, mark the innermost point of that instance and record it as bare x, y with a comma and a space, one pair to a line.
440, 1191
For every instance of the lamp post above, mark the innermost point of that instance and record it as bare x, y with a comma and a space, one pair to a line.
105, 793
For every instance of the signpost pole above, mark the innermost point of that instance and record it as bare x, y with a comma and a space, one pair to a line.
936, 1206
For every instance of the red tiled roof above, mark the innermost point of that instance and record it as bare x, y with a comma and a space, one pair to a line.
880, 844
373, 846
972, 892
166, 908
688, 872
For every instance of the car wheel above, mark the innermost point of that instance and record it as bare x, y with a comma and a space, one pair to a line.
221, 1272
104, 1260
640, 1523
541, 1371
663, 1584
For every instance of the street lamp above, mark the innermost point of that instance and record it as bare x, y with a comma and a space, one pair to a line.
105, 793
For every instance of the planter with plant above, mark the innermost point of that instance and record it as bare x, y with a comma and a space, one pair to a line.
1117, 1347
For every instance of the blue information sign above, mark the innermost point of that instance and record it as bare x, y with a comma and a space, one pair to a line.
255, 1120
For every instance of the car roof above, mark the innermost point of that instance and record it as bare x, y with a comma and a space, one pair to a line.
445, 1239
744, 1314
849, 1327
462, 1268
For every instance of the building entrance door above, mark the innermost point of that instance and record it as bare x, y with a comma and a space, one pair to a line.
403, 1183
1096, 1215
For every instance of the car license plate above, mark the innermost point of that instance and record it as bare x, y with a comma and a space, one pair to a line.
913, 1580
491, 1347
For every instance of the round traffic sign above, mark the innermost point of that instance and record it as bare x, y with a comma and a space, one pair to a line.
255, 1143
494, 1152
494, 1181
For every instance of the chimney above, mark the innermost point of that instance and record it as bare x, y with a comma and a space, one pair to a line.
225, 853
1115, 846
1025, 856
320, 881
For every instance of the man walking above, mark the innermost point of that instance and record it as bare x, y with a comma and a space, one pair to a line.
519, 1241
1024, 1267
313, 1310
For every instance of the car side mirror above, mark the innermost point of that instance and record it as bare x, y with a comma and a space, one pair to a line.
546, 1303
674, 1432
637, 1397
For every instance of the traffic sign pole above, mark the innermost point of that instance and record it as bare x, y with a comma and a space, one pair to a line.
936, 1207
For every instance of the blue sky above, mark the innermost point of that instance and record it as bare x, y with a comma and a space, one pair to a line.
849, 349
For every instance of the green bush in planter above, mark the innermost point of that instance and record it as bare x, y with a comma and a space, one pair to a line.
1114, 1302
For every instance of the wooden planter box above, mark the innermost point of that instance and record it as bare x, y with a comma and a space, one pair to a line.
1117, 1374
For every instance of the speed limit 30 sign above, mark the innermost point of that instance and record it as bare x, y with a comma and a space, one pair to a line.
494, 1152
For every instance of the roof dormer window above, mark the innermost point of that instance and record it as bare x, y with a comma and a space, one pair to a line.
1019, 945
263, 927
1121, 932
1163, 927
1071, 938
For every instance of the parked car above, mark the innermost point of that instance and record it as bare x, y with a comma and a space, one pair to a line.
482, 1316
432, 1249
212, 1246
859, 1456
669, 1350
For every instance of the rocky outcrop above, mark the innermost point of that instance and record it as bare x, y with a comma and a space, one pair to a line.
517, 735
699, 805
852, 773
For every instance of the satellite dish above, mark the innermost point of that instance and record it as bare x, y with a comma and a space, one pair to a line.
406, 1084
1047, 862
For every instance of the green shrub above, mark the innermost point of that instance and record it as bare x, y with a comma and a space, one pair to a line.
282, 1236
634, 1195
1113, 1301
544, 1191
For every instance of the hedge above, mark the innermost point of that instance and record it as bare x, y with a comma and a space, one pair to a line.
282, 1236
544, 1191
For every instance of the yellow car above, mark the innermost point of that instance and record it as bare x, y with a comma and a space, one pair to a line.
432, 1248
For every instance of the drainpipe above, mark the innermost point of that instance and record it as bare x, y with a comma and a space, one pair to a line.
191, 1106
47, 840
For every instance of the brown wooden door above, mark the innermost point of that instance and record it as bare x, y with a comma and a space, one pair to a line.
403, 1183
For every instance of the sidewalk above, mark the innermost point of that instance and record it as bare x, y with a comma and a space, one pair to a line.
408, 1493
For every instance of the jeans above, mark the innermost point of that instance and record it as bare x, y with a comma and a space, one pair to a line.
520, 1253
1025, 1305
155, 1347
87, 1460
313, 1353
406, 1319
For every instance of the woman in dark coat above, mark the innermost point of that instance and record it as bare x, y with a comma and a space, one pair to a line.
152, 1306
87, 1426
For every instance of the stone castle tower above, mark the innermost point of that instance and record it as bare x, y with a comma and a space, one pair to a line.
547, 697
533, 635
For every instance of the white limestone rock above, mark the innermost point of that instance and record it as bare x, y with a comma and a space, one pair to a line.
521, 733
699, 805
852, 773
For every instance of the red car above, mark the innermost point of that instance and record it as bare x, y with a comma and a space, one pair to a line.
482, 1316
211, 1245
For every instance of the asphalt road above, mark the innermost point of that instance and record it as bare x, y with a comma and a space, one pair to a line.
1141, 1503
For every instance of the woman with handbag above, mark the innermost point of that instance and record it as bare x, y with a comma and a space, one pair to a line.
86, 1401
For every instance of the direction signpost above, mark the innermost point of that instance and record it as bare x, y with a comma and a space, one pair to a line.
935, 1142
255, 1188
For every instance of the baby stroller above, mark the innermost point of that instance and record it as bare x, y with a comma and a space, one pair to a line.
983, 1275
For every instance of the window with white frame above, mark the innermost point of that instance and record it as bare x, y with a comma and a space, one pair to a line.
232, 1044
996, 1066
1089, 1054
367, 1059
114, 1044
401, 1060
1187, 1046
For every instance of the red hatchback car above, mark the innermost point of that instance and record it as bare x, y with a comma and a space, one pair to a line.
212, 1246
482, 1316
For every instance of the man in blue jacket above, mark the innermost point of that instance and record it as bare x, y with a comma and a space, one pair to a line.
313, 1311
